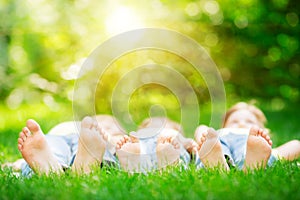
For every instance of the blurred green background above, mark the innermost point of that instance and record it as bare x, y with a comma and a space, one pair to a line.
255, 45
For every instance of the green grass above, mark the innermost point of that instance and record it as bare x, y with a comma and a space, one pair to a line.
281, 181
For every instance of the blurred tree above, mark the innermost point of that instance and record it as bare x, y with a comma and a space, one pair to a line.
255, 45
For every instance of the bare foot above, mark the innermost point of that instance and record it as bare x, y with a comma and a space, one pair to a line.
258, 149
91, 146
210, 151
128, 154
35, 149
126, 144
202, 129
167, 151
15, 166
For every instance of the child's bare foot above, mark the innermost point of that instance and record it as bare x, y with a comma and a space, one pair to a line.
258, 149
202, 129
210, 151
35, 149
15, 166
91, 146
126, 144
128, 154
167, 151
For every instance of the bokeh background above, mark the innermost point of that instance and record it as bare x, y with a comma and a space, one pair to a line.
43, 43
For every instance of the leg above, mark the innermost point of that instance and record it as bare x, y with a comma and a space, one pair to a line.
35, 149
210, 151
289, 151
258, 149
91, 147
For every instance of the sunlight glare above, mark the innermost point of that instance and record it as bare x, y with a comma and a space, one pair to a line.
121, 20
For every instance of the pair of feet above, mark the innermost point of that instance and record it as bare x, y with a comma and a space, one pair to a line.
258, 148
91, 146
129, 153
37, 153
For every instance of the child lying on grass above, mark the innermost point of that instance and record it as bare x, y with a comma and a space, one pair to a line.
243, 141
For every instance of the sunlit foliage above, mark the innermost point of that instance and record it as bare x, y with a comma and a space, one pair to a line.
43, 43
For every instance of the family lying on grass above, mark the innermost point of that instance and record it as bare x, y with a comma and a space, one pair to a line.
243, 143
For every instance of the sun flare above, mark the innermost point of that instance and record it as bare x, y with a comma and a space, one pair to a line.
122, 19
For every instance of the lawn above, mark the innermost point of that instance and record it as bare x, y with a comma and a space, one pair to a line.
281, 181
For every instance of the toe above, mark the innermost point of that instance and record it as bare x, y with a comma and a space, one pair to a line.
103, 134
265, 133
20, 147
211, 133
201, 129
118, 144
33, 126
20, 141
26, 131
174, 142
87, 122
203, 139
123, 140
270, 142
127, 139
160, 140
95, 125
254, 130
262, 132
23, 136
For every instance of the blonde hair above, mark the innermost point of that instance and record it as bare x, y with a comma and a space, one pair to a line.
160, 122
261, 118
111, 121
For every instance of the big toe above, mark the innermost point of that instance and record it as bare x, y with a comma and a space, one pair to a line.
202, 129
33, 126
87, 122
104, 135
254, 130
212, 133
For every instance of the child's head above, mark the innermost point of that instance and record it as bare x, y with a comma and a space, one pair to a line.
243, 115
160, 122
110, 124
